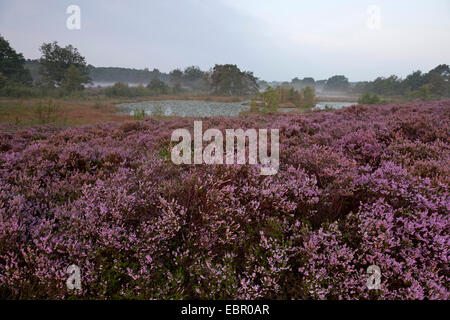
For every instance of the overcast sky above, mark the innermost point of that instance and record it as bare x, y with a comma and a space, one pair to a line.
276, 39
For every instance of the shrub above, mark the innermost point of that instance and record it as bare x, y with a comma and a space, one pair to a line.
367, 98
356, 186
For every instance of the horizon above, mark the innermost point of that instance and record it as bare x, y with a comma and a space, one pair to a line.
276, 42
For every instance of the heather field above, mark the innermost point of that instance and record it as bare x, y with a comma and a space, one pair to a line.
360, 186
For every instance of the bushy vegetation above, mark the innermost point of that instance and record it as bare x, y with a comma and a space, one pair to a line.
154, 88
434, 84
356, 187
125, 75
367, 98
63, 67
228, 79
271, 98
63, 71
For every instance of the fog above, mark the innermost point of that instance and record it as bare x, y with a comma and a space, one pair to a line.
277, 40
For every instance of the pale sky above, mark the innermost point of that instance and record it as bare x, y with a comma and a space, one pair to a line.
277, 40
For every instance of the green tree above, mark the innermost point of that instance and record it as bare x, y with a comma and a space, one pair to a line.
228, 79
119, 89
439, 80
73, 80
424, 92
367, 98
270, 99
176, 76
438, 85
337, 83
309, 97
57, 60
158, 86
12, 64
176, 89
414, 80
3, 80
192, 73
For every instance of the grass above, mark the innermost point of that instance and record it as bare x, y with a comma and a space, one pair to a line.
139, 114
75, 111
61, 112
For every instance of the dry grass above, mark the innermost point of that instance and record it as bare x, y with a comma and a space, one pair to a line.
73, 112
24, 112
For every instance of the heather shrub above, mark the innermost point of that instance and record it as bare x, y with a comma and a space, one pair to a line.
356, 187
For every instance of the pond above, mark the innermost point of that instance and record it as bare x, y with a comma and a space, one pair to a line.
196, 108
186, 108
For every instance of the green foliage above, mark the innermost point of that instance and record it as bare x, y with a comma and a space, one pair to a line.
73, 79
176, 89
289, 94
192, 73
309, 98
158, 87
56, 62
424, 92
439, 80
3, 81
414, 80
306, 82
270, 99
12, 65
155, 87
228, 79
367, 98
386, 86
139, 114
176, 76
125, 75
337, 83
119, 89
424, 86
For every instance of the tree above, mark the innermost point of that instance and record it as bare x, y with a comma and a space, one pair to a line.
192, 73
367, 98
158, 86
439, 80
337, 83
309, 97
424, 92
228, 79
308, 82
176, 76
414, 80
3, 80
443, 70
12, 64
386, 86
438, 85
57, 60
72, 79
270, 99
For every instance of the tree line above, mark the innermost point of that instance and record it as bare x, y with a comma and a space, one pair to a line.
63, 70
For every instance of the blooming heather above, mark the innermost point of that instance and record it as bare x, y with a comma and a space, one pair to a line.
356, 187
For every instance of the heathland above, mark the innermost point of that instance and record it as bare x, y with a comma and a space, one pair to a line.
360, 186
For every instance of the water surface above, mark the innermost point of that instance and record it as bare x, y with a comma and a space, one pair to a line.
196, 108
